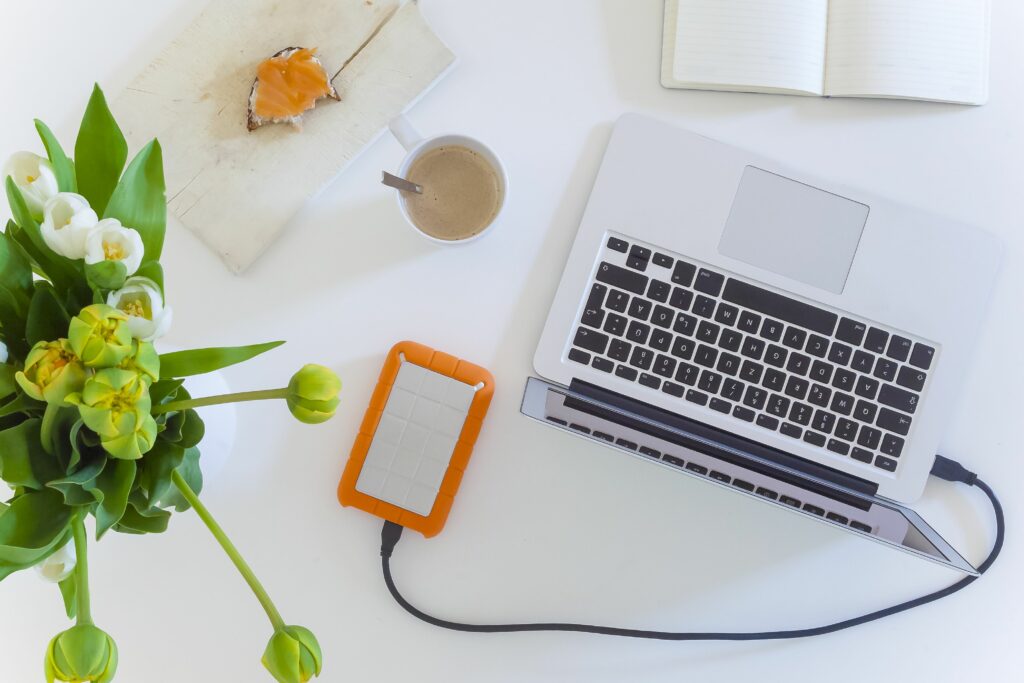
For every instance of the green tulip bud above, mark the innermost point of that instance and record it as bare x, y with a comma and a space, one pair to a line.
82, 654
313, 394
293, 655
115, 404
52, 371
100, 336
144, 361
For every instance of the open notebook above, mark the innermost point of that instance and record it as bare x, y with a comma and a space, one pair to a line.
913, 49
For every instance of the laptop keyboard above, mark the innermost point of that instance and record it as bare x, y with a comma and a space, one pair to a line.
714, 340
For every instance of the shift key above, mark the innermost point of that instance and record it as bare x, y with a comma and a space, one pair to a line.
630, 280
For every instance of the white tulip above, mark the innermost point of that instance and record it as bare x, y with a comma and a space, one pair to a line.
59, 565
34, 176
140, 298
110, 241
3, 352
67, 222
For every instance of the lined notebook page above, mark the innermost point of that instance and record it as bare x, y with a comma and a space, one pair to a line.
745, 44
920, 49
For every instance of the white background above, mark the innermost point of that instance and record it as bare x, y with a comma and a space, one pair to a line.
545, 526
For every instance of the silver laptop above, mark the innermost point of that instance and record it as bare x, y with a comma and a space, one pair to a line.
770, 332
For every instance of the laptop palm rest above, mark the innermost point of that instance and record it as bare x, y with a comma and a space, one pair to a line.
737, 464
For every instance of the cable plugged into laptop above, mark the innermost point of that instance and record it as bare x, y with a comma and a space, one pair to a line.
944, 468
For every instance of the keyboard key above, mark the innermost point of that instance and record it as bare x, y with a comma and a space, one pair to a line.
922, 356
661, 339
710, 381
687, 374
617, 276
851, 331
649, 381
683, 273
869, 437
720, 406
876, 340
819, 395
860, 526
673, 389
728, 363
578, 356
730, 340
775, 356
891, 421
626, 444
604, 437
892, 445
749, 322
590, 340
794, 338
771, 329
839, 447
618, 301
779, 306
798, 363
840, 354
844, 379
638, 332
641, 358
751, 371
767, 422
663, 260
814, 510
836, 517
742, 484
727, 314
817, 346
796, 387
615, 324
697, 397
619, 350
597, 295
664, 366
866, 387
650, 452
641, 253
790, 501
821, 371
801, 413
603, 364
755, 397
862, 361
885, 369
814, 438
753, 348
707, 332
593, 317
685, 324
720, 476
911, 378
887, 464
673, 460
694, 467
704, 306
846, 429
615, 244
640, 308
626, 373
778, 405
745, 414
709, 282
663, 316
791, 430
864, 411
901, 399
683, 348
842, 403
705, 356
767, 493
899, 348
774, 380
658, 291
823, 421
579, 428
732, 390
862, 455
681, 298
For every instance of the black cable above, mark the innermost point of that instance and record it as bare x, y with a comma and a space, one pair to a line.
944, 468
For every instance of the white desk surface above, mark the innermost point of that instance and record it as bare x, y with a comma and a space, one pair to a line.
546, 526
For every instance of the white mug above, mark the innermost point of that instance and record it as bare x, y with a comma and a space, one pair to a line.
416, 145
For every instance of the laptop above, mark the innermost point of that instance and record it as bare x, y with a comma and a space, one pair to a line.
726, 317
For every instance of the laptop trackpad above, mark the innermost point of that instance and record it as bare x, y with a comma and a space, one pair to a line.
793, 229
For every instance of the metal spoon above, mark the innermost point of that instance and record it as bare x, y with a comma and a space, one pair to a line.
400, 183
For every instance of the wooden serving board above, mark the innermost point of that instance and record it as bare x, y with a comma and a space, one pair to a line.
237, 189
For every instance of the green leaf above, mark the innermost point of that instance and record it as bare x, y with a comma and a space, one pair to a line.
105, 275
61, 271
8, 385
23, 462
192, 430
15, 269
164, 389
115, 483
19, 209
139, 201
100, 152
154, 271
62, 166
193, 475
18, 404
79, 488
47, 319
199, 361
32, 528
142, 518
157, 466
69, 592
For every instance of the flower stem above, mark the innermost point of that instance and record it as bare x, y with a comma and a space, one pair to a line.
229, 548
222, 398
84, 609
46, 427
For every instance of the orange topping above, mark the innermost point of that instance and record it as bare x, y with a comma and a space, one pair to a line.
290, 85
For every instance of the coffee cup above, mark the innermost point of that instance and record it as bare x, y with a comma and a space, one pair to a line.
465, 185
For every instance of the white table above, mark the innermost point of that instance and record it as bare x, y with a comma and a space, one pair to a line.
545, 527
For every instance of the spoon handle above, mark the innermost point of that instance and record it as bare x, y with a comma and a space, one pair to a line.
400, 183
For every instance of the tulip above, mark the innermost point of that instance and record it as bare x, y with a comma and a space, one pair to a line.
293, 655
35, 178
52, 372
144, 361
313, 394
4, 354
115, 404
110, 241
59, 565
82, 654
100, 336
141, 301
67, 221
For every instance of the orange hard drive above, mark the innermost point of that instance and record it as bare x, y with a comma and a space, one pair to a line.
417, 437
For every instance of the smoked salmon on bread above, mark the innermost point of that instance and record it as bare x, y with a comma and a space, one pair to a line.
287, 85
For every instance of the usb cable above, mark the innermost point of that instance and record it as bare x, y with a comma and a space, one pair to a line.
944, 468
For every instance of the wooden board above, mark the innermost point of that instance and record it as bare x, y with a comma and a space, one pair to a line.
237, 189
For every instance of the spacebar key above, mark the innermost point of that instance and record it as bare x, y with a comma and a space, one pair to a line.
781, 307
620, 277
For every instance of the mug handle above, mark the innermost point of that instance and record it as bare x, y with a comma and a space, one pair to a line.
404, 132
